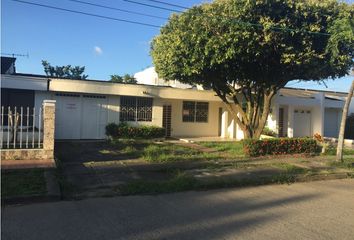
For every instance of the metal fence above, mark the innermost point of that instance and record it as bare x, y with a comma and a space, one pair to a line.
21, 127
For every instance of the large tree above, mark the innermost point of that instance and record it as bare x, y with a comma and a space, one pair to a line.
247, 50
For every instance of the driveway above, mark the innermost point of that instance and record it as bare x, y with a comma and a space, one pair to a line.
84, 179
315, 210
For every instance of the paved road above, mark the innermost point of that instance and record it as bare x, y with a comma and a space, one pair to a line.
317, 210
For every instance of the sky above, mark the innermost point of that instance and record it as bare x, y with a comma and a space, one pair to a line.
103, 46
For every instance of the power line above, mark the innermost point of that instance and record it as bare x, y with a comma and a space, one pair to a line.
118, 9
152, 6
87, 14
229, 17
168, 4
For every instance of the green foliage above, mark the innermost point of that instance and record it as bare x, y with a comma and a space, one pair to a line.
123, 79
269, 132
247, 50
64, 71
331, 150
278, 146
124, 130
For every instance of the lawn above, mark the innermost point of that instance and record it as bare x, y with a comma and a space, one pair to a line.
232, 149
156, 152
22, 182
168, 152
125, 166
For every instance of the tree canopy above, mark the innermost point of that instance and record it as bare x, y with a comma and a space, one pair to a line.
247, 50
66, 71
123, 79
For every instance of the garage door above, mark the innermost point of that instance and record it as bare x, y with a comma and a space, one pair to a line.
67, 116
331, 122
302, 123
80, 116
94, 119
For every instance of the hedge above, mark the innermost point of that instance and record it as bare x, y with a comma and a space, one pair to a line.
124, 130
278, 146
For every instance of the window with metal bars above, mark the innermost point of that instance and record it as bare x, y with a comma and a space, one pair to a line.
195, 111
136, 109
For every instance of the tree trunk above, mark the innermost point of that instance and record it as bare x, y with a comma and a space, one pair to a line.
252, 130
342, 124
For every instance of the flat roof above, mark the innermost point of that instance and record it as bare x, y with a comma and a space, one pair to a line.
88, 81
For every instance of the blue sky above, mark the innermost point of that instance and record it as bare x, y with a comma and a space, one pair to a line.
105, 47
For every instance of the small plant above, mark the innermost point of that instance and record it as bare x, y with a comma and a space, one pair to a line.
269, 132
321, 142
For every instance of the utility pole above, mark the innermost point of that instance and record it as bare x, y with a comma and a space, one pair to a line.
342, 124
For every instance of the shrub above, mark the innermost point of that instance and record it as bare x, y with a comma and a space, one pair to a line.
269, 132
124, 130
278, 146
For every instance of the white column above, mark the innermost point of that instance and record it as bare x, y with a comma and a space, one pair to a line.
232, 129
224, 123
291, 121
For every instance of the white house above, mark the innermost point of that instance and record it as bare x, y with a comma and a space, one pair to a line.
85, 107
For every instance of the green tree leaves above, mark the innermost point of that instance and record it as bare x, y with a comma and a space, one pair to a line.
248, 50
123, 79
64, 71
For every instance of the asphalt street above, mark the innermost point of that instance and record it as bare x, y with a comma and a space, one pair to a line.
315, 210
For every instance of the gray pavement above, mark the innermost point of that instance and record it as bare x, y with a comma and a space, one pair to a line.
315, 210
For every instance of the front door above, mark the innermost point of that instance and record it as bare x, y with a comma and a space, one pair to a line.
166, 119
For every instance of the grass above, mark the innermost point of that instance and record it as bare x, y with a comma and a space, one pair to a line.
289, 168
332, 151
233, 149
23, 182
348, 163
183, 182
172, 153
179, 182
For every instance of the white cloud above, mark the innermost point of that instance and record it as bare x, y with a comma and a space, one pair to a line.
98, 50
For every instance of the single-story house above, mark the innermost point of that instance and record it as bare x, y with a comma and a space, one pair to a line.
85, 107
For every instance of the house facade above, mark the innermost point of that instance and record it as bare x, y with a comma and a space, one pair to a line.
85, 107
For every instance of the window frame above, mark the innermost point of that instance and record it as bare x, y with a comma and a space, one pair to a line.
136, 109
192, 116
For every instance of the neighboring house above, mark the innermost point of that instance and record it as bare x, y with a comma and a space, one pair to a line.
85, 107
150, 77
8, 65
